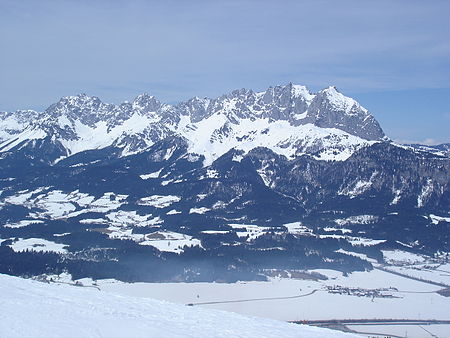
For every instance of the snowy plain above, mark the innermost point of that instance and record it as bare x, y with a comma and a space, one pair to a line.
307, 300
415, 299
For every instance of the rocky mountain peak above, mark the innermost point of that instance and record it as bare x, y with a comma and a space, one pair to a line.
288, 118
331, 109
87, 109
197, 108
146, 103
338, 101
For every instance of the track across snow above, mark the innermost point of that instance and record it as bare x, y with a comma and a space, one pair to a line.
254, 299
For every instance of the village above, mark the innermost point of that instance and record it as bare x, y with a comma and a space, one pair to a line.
360, 292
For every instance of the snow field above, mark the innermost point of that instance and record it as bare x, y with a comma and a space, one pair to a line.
33, 309
320, 305
169, 241
38, 245
56, 204
159, 201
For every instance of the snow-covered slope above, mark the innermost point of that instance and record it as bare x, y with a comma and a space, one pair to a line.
33, 309
288, 119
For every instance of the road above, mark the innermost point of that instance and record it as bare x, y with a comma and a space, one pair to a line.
345, 324
374, 322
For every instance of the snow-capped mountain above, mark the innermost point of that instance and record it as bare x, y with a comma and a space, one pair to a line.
287, 119
227, 188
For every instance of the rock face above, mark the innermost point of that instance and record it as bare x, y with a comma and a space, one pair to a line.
228, 188
331, 109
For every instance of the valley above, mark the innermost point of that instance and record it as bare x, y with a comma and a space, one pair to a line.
376, 301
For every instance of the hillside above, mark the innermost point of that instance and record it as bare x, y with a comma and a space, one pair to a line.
33, 309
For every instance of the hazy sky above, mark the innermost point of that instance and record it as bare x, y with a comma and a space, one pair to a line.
391, 55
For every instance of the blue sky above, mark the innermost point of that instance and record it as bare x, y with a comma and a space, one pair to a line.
391, 55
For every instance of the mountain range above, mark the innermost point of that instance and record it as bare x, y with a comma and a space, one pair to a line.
235, 187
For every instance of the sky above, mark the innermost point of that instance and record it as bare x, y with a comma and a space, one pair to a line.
393, 56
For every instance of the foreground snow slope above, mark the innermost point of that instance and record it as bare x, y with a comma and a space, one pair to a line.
33, 309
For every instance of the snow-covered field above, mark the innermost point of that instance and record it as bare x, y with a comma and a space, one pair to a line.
37, 244
56, 204
320, 305
410, 299
170, 241
159, 201
33, 309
